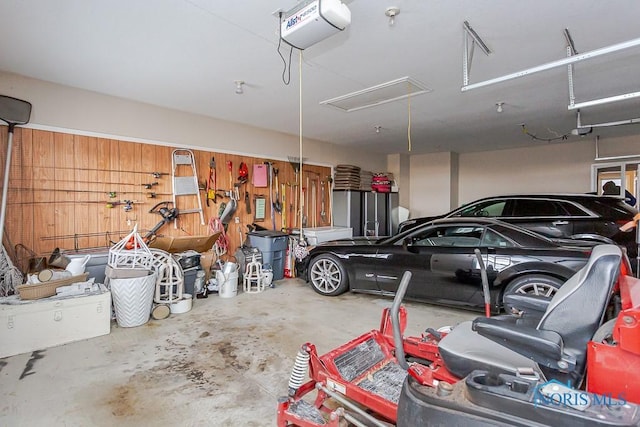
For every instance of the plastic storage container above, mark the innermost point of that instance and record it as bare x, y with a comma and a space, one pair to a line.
273, 245
190, 277
35, 325
318, 235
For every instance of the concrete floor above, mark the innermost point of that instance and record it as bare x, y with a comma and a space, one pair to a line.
222, 364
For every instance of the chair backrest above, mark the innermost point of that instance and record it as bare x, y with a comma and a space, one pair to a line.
578, 308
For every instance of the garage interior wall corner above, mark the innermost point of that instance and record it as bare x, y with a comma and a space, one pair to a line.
433, 177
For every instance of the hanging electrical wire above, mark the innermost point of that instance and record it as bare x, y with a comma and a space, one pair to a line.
286, 71
536, 138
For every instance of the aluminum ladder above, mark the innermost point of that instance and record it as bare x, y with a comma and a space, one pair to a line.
185, 186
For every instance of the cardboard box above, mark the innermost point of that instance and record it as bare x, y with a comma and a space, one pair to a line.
206, 261
184, 243
26, 326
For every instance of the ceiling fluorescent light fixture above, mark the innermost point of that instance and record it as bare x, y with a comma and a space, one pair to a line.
373, 96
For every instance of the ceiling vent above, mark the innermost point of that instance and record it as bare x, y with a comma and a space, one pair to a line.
393, 90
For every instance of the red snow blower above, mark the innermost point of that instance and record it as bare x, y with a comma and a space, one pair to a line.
570, 360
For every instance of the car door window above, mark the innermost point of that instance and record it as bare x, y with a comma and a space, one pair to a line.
574, 210
537, 207
491, 239
446, 236
491, 208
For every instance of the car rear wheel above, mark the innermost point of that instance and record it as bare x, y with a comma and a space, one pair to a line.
532, 284
328, 276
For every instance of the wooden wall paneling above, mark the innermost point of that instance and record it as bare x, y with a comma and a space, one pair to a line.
99, 217
114, 176
24, 211
161, 162
64, 194
84, 211
43, 192
126, 163
140, 212
202, 168
195, 225
49, 160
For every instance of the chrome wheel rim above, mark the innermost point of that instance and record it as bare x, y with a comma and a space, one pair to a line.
326, 276
537, 289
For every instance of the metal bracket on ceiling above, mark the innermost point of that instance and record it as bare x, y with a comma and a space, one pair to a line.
560, 63
571, 50
471, 39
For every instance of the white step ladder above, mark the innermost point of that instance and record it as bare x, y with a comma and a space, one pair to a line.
185, 186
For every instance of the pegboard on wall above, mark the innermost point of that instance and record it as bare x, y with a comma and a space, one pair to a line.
77, 192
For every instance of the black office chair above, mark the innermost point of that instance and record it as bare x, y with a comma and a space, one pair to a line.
556, 347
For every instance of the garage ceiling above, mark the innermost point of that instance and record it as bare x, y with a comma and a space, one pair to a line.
186, 55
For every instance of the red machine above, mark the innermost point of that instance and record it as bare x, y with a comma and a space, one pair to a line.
368, 372
613, 362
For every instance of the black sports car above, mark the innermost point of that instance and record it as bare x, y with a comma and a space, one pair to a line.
440, 254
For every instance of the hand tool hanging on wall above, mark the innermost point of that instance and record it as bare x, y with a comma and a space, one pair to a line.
330, 191
295, 164
303, 206
243, 173
230, 170
247, 202
271, 203
323, 212
295, 205
314, 196
291, 208
210, 188
276, 204
283, 217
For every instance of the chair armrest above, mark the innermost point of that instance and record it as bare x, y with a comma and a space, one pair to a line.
528, 305
543, 347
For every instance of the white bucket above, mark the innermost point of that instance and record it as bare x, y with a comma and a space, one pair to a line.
227, 284
133, 299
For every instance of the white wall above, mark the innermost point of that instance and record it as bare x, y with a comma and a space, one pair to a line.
440, 182
69, 109
430, 189
556, 168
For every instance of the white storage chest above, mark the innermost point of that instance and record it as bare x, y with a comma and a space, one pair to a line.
27, 326
318, 235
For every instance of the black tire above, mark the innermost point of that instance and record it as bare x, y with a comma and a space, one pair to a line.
328, 276
532, 284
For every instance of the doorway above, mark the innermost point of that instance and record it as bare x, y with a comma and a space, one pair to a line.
616, 179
